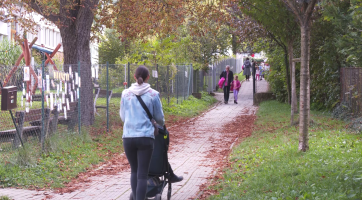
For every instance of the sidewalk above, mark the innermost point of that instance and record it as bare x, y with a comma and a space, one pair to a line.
261, 86
190, 145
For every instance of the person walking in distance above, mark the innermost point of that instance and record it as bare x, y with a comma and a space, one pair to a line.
235, 86
247, 68
257, 73
228, 76
138, 130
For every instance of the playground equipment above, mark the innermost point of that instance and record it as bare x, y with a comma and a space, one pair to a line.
48, 54
26, 55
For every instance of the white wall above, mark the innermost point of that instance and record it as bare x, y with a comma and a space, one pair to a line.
4, 28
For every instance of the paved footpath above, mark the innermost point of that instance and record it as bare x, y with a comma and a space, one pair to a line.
188, 156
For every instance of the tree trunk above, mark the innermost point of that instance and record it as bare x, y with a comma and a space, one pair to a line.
74, 20
292, 77
234, 43
308, 80
76, 37
287, 74
303, 116
294, 96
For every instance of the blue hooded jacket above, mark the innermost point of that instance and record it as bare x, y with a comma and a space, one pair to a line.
136, 121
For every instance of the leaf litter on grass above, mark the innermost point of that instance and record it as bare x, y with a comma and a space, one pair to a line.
234, 132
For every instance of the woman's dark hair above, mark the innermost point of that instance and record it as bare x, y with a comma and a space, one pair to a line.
141, 74
247, 58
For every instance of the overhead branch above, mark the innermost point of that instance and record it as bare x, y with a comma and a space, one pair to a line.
280, 43
51, 17
294, 9
310, 8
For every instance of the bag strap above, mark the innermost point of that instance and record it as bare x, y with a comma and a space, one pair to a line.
144, 106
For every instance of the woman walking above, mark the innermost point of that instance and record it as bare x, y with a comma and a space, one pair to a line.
247, 67
138, 131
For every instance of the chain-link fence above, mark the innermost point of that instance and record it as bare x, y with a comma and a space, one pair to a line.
56, 102
47, 109
174, 83
208, 80
351, 89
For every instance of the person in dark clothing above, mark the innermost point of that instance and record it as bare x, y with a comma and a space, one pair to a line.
228, 76
247, 68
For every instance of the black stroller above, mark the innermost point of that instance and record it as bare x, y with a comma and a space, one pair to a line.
158, 176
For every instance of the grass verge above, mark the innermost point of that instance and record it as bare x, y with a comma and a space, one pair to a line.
189, 108
267, 165
68, 154
241, 77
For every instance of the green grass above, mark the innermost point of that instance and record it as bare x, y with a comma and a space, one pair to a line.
5, 198
68, 154
241, 77
189, 108
268, 165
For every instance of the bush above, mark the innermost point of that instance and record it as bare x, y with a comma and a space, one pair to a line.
356, 125
342, 111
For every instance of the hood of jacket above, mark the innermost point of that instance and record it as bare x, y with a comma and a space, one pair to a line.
138, 89
247, 63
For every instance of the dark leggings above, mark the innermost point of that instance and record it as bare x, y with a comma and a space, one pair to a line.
247, 77
139, 152
226, 93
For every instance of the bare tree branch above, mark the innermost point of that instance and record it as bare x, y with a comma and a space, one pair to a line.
310, 8
53, 18
294, 9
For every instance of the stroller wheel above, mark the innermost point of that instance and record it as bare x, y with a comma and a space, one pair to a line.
131, 196
158, 197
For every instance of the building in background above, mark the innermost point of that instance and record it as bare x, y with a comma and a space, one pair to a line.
48, 36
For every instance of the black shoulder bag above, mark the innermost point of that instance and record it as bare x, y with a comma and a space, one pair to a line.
154, 123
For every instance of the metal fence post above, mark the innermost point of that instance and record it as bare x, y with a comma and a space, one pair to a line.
125, 75
158, 89
107, 97
188, 89
42, 136
183, 88
177, 83
168, 85
128, 78
79, 100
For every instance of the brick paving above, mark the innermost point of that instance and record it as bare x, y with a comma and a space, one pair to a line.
188, 157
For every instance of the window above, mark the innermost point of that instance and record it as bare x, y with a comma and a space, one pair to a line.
39, 34
51, 38
48, 38
43, 36
59, 38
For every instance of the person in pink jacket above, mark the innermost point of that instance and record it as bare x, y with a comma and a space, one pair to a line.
235, 87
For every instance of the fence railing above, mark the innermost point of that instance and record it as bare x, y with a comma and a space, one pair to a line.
208, 80
52, 103
351, 89
56, 102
